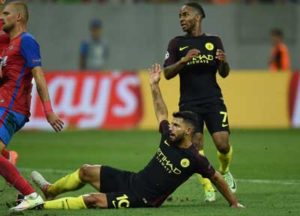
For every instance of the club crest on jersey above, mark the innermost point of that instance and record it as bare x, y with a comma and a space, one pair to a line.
209, 46
185, 162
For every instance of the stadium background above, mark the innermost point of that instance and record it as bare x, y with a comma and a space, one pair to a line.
114, 107
138, 35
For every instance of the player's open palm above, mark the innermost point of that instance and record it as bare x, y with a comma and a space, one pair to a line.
56, 123
154, 73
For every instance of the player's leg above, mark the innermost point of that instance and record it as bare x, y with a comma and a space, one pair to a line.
12, 175
14, 178
92, 200
218, 126
113, 185
81, 202
12, 122
9, 124
209, 191
86, 174
221, 140
12, 156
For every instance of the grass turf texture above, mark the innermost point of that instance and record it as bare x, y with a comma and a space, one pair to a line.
266, 165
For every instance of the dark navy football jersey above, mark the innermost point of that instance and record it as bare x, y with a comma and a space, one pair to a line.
168, 169
198, 83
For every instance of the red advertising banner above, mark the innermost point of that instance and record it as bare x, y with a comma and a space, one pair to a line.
294, 99
91, 100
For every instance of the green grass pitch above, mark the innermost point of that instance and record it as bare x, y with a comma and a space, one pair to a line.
266, 165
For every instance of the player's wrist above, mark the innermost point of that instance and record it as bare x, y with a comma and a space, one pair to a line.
47, 107
154, 85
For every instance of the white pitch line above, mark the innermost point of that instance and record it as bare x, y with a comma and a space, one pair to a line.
252, 181
46, 170
267, 181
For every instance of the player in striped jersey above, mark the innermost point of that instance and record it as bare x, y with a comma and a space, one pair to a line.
20, 62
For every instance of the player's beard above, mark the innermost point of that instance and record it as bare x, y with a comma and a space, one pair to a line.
190, 26
177, 141
7, 28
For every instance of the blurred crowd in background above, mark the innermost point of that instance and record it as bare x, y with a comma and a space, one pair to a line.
168, 1
116, 36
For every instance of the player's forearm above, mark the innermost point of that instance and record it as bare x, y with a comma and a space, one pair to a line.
160, 107
223, 188
172, 70
224, 69
42, 89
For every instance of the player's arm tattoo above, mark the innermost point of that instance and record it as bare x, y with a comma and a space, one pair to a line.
223, 69
160, 107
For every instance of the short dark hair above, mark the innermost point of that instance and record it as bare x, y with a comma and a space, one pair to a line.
277, 32
196, 6
187, 116
22, 8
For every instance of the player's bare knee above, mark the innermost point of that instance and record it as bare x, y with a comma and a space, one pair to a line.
221, 140
84, 173
223, 147
90, 174
93, 200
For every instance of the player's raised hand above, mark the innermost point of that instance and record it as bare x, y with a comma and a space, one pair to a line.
154, 73
2, 2
190, 54
56, 123
220, 55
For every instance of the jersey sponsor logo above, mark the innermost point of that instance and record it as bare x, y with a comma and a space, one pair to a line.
166, 163
204, 59
183, 48
209, 46
167, 55
185, 162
